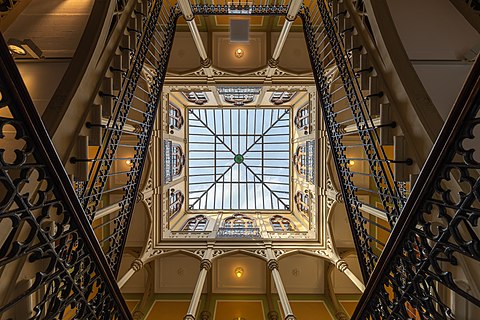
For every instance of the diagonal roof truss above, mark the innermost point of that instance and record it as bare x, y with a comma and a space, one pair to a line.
239, 159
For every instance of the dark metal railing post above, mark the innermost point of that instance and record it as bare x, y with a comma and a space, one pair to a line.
73, 269
436, 233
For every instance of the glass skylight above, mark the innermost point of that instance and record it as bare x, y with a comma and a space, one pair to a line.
238, 159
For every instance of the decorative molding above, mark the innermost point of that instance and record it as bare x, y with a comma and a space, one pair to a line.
137, 264
205, 264
272, 264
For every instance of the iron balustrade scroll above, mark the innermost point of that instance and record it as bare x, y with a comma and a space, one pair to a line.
135, 106
351, 131
436, 237
50, 262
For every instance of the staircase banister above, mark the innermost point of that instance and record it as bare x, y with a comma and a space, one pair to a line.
82, 79
407, 219
26, 110
415, 112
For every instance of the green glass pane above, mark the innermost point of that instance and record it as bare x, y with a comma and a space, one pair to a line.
238, 158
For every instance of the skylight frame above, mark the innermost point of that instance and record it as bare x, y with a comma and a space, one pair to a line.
285, 122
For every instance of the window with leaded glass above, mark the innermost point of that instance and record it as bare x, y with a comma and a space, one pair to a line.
239, 221
281, 224
199, 98
175, 202
302, 119
175, 118
303, 201
197, 223
280, 97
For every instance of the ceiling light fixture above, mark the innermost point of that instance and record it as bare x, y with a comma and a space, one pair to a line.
239, 272
15, 46
22, 48
351, 162
239, 53
129, 162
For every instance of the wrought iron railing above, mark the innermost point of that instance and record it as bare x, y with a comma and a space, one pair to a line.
474, 4
116, 169
244, 7
364, 170
435, 241
50, 263
239, 233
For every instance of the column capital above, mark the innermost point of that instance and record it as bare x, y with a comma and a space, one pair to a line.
205, 315
272, 63
272, 264
206, 264
206, 63
341, 265
273, 315
189, 317
138, 315
290, 317
137, 264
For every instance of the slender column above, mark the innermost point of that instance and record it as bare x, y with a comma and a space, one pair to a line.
272, 264
205, 61
343, 267
293, 9
137, 264
205, 266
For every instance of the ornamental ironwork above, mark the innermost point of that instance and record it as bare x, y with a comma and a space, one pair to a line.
304, 160
174, 160
239, 96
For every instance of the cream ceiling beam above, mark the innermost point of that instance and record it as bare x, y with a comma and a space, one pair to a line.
292, 12
187, 12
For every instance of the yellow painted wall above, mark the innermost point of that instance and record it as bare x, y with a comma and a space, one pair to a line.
310, 310
349, 306
226, 310
168, 310
131, 304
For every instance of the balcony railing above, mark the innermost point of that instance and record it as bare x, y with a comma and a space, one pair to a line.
239, 233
